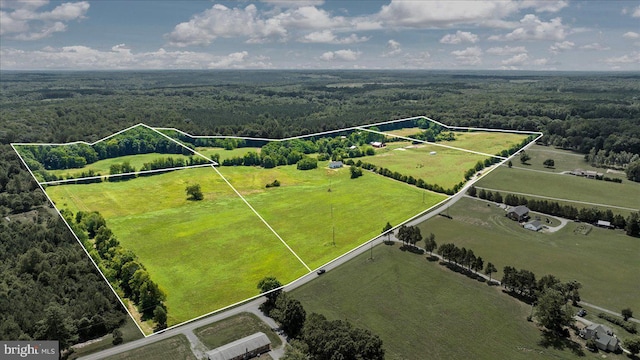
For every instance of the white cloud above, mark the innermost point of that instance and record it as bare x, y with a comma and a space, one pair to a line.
561, 46
294, 3
636, 12
507, 50
221, 21
328, 37
532, 28
544, 5
518, 59
468, 56
459, 37
23, 20
540, 62
340, 55
393, 48
595, 46
631, 35
120, 56
632, 58
430, 14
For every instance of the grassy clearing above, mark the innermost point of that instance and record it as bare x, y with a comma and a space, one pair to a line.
226, 154
416, 161
300, 210
564, 187
486, 142
206, 254
423, 310
604, 261
565, 160
174, 348
235, 328
102, 166
405, 131
130, 332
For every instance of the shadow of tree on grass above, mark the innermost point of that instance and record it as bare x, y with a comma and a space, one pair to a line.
559, 342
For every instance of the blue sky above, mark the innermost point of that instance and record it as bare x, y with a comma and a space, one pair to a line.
316, 34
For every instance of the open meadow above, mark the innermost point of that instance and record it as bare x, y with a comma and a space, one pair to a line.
174, 348
446, 168
308, 216
604, 261
422, 310
564, 186
224, 153
205, 254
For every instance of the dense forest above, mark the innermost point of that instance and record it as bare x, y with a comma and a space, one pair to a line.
46, 279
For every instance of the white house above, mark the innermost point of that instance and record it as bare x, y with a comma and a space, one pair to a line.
534, 226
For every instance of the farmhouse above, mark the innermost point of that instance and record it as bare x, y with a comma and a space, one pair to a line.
377, 144
245, 348
604, 224
534, 226
586, 173
335, 164
518, 213
602, 335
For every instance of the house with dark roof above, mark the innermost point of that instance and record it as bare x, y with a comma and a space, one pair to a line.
602, 335
519, 213
534, 226
245, 348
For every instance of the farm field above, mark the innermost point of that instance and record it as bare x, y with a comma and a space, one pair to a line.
423, 310
416, 161
604, 261
202, 253
300, 210
565, 160
234, 328
561, 186
102, 166
174, 348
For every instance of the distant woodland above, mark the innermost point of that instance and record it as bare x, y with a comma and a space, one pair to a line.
48, 286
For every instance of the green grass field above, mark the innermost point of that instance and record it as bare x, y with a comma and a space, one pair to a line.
604, 261
206, 254
130, 332
565, 160
422, 310
174, 348
446, 168
102, 166
212, 253
561, 186
300, 210
235, 328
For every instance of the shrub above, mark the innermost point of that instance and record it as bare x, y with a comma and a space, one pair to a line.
629, 327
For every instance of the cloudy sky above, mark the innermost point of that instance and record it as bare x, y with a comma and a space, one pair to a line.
316, 34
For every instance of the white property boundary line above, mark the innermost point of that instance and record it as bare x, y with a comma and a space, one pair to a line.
213, 163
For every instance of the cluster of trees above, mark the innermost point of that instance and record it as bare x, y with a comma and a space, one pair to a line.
307, 163
313, 336
462, 257
134, 141
355, 171
48, 287
633, 171
589, 215
120, 266
432, 132
523, 283
171, 162
610, 159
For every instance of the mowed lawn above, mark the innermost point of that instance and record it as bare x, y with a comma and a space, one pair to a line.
604, 261
421, 310
625, 194
174, 348
300, 210
205, 254
446, 168
102, 166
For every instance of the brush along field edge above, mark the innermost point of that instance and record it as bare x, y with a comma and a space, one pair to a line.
298, 281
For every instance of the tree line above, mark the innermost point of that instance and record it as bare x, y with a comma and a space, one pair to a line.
313, 336
120, 266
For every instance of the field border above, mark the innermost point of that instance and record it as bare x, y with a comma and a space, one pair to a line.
352, 252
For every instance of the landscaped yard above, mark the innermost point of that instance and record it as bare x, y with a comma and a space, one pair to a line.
422, 310
234, 328
604, 261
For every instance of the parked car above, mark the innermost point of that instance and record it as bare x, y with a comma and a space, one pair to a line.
321, 271
582, 312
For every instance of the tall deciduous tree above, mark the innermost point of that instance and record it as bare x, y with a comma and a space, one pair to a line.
290, 314
56, 325
490, 269
266, 285
552, 311
194, 192
430, 243
524, 157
